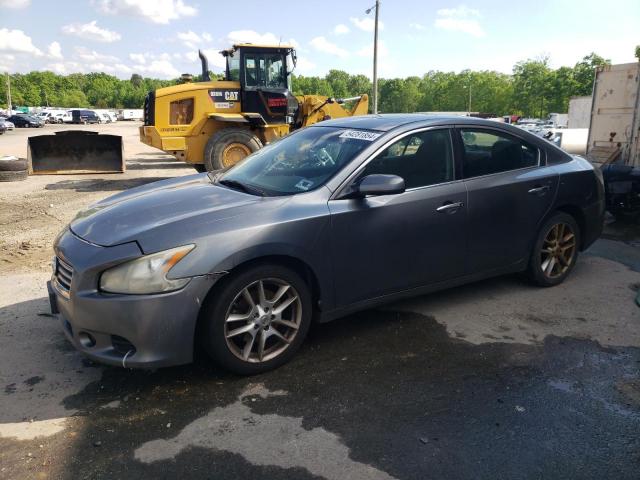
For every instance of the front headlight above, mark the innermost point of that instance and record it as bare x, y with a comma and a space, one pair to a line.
147, 274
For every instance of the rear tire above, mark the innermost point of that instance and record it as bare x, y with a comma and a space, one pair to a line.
282, 340
228, 146
555, 251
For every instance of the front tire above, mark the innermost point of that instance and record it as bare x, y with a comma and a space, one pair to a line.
556, 250
257, 320
228, 146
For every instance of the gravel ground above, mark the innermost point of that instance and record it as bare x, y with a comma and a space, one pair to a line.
496, 379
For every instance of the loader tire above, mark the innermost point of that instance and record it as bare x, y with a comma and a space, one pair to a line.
13, 175
228, 146
13, 164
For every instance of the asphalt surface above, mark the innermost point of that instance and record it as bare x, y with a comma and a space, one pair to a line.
383, 394
492, 380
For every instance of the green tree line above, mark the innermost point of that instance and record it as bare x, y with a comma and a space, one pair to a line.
533, 89
97, 90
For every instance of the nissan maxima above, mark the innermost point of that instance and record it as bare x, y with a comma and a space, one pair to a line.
338, 217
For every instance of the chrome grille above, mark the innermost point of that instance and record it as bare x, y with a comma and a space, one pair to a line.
63, 274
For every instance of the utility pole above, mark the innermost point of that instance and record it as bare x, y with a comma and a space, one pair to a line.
375, 55
9, 106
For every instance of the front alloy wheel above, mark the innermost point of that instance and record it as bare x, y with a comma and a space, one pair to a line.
263, 320
256, 319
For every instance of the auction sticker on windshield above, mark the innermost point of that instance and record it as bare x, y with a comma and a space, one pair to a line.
360, 135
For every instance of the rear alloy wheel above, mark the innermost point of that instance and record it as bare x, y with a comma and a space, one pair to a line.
258, 320
556, 250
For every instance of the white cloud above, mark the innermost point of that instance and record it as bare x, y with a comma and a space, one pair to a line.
157, 11
212, 54
417, 26
54, 50
6, 62
304, 66
91, 31
15, 4
366, 24
138, 58
460, 19
16, 41
341, 29
460, 11
251, 36
57, 67
161, 68
367, 51
155, 65
91, 56
321, 44
192, 39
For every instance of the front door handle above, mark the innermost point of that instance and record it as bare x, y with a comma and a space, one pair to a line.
540, 190
450, 207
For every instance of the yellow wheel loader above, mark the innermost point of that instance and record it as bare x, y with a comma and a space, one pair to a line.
215, 124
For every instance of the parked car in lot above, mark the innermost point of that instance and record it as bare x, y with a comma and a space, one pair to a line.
6, 124
26, 121
337, 217
84, 116
63, 117
104, 118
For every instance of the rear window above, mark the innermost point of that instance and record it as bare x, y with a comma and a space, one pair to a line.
487, 152
181, 112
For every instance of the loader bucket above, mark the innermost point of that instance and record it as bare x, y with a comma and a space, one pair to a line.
75, 151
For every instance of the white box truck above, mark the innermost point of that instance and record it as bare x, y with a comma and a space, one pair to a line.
614, 131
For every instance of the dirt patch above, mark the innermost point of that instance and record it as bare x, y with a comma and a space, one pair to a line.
33, 212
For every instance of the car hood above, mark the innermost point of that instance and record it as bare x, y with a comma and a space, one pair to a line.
138, 212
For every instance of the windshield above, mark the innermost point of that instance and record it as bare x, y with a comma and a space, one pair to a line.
300, 162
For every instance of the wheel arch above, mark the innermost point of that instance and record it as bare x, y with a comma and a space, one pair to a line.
578, 216
296, 264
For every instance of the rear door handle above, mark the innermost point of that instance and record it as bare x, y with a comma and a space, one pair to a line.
450, 207
540, 191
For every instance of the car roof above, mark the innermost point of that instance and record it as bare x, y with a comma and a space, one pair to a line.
388, 121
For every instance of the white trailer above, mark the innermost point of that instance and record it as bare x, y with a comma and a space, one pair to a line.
614, 133
579, 112
131, 114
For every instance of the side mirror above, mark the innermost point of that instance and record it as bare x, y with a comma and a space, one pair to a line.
377, 184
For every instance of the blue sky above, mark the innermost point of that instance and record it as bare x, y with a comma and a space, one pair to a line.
159, 38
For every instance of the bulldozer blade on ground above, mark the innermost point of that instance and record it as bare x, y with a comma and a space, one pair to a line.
75, 151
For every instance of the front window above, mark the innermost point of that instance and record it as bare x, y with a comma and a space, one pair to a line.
300, 162
234, 68
421, 159
265, 70
181, 112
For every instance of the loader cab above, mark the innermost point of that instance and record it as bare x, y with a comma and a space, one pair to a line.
264, 74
